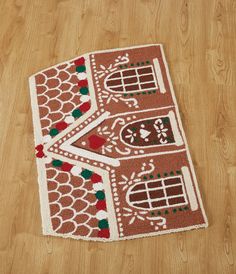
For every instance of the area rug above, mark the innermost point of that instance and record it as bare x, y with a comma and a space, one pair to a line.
112, 157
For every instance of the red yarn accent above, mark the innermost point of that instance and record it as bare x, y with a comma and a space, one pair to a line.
101, 205
96, 142
66, 166
83, 83
84, 107
61, 125
95, 178
40, 154
39, 147
79, 61
104, 233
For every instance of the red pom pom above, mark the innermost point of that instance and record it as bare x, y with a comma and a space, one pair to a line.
84, 107
83, 83
66, 166
101, 205
95, 178
39, 147
79, 61
40, 154
104, 233
61, 125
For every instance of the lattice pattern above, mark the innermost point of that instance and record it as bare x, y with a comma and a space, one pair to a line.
57, 93
72, 204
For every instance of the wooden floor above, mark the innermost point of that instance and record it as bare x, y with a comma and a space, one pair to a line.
199, 38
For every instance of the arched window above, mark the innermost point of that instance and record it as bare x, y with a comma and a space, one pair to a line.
161, 193
131, 80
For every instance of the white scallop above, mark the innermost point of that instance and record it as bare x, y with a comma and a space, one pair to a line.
101, 214
69, 119
84, 98
76, 170
98, 186
82, 75
46, 138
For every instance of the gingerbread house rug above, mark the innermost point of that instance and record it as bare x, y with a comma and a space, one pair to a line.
112, 158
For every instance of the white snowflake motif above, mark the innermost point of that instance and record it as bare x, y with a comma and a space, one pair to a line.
131, 135
134, 215
111, 140
110, 96
129, 181
161, 131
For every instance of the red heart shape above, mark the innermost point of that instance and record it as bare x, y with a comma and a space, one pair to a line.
40, 154
96, 142
39, 147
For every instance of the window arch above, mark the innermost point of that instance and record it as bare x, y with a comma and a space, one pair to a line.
131, 80
166, 192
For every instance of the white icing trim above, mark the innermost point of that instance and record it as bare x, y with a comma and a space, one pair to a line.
189, 188
184, 137
159, 75
175, 130
152, 154
86, 153
41, 168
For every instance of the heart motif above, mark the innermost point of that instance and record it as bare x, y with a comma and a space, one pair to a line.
144, 133
96, 142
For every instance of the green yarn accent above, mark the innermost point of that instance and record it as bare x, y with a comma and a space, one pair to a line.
84, 90
174, 210
178, 171
132, 65
57, 163
76, 113
53, 132
159, 175
166, 212
145, 177
172, 173
159, 212
81, 69
86, 174
103, 224
151, 176
165, 174
180, 209
121, 67
147, 62
100, 195
165, 120
152, 213
186, 208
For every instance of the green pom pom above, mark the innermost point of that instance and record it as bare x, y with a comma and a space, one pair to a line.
100, 195
57, 163
53, 132
81, 69
86, 174
103, 224
84, 90
76, 113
